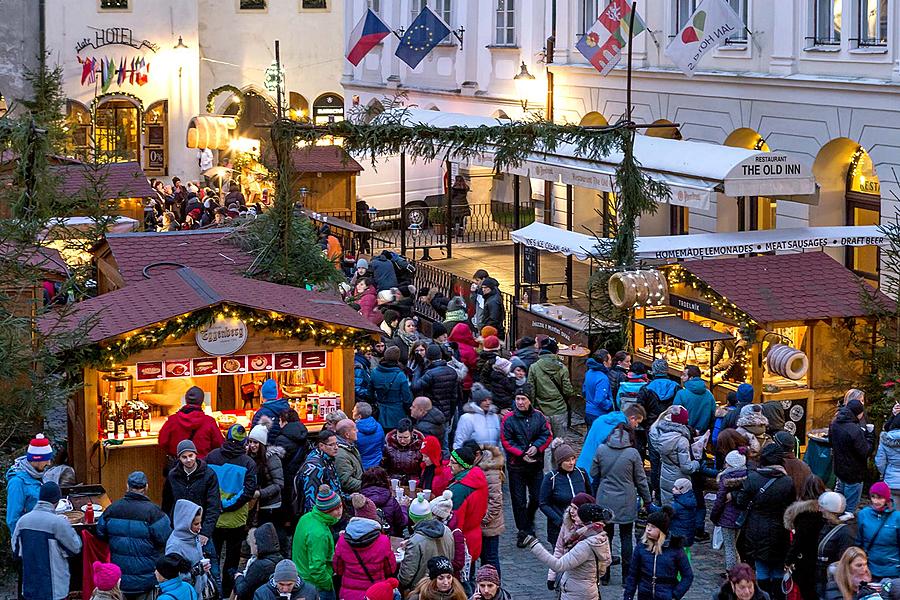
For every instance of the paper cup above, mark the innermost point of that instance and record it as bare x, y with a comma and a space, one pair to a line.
395, 483
412, 485
427, 494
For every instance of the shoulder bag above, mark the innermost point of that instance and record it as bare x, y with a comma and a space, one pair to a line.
742, 518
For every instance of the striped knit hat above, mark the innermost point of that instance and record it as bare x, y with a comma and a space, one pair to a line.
39, 449
237, 433
326, 499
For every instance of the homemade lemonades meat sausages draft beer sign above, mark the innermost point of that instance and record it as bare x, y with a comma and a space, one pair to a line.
222, 337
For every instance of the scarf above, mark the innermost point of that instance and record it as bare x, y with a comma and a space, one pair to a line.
408, 338
22, 464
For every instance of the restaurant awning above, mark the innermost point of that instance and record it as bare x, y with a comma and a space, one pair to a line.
694, 171
553, 239
684, 330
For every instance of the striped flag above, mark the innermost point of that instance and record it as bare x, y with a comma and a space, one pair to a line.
367, 34
603, 43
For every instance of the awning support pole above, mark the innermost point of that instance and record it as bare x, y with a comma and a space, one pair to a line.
403, 203
570, 207
517, 247
449, 220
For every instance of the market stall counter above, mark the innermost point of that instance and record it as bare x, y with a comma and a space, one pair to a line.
146, 344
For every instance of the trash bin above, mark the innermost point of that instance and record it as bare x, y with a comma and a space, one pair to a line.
818, 457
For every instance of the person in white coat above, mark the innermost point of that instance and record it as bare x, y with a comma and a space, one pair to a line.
480, 421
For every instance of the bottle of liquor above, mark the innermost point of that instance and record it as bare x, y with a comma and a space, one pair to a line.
107, 419
146, 412
120, 422
138, 418
129, 419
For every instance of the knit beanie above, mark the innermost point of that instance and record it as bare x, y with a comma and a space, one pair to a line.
433, 352
562, 453
517, 363
392, 354
479, 393
491, 343
833, 502
387, 296
881, 489
735, 460
682, 485
661, 519
106, 575
327, 499
464, 456
680, 416
437, 330
194, 396
549, 345
502, 365
185, 446
363, 507
39, 449
752, 415
660, 367
786, 440
590, 513
236, 433
580, 499
745, 393
285, 570
419, 509
50, 492
362, 263
526, 390
259, 433
488, 574
269, 390
383, 590
771, 455
172, 565
442, 506
487, 331
439, 565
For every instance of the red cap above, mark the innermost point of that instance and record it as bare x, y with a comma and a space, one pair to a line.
383, 590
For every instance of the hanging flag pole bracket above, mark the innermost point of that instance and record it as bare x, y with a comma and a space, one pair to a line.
458, 34
399, 32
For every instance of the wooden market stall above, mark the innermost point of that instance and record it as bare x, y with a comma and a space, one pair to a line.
795, 326
325, 180
150, 341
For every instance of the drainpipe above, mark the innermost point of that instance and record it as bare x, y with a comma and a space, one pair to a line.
42, 32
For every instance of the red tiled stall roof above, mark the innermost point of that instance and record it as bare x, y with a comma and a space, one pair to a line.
48, 260
199, 249
324, 159
115, 180
787, 287
175, 293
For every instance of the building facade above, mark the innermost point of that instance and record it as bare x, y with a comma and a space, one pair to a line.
137, 71
817, 79
19, 49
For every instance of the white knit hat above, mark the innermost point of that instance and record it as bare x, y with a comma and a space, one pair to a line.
260, 434
442, 506
833, 502
419, 509
735, 460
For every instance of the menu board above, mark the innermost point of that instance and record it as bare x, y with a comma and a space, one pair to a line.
231, 365
150, 371
260, 362
313, 360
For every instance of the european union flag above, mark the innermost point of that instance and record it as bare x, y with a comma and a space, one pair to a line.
426, 32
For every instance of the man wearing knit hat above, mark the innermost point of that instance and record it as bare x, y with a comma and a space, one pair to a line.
493, 314
488, 580
24, 478
430, 538
313, 546
286, 584
272, 408
552, 387
190, 423
851, 445
469, 488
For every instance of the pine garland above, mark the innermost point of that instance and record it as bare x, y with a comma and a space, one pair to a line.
211, 100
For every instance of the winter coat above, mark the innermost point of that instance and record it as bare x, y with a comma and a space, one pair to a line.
493, 463
582, 566
673, 443
519, 430
176, 589
440, 383
599, 431
618, 475
665, 389
318, 469
370, 441
493, 313
616, 376
23, 486
367, 303
200, 487
597, 398
383, 499
726, 592
878, 533
470, 504
527, 355
348, 465
389, 390
432, 423
302, 591
835, 548
293, 439
271, 478
273, 409
313, 548
724, 511
190, 423
476, 424
468, 351
44, 541
805, 520
137, 531
430, 538
362, 557
551, 383
362, 374
383, 272
403, 462
185, 542
502, 388
850, 447
664, 569
699, 402
237, 482
558, 487
685, 517
887, 458
767, 539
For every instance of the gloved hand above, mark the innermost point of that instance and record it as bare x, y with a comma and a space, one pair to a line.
551, 584
530, 541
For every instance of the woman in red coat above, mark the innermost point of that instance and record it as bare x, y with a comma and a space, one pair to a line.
436, 473
469, 487
362, 557
468, 350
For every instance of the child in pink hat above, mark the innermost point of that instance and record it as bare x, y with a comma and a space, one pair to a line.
106, 581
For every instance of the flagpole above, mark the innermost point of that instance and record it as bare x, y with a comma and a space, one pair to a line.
278, 98
630, 46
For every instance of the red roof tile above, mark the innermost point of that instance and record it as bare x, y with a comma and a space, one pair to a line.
171, 294
787, 287
324, 159
116, 180
199, 249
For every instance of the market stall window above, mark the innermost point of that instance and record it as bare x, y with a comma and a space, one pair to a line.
784, 353
863, 207
77, 129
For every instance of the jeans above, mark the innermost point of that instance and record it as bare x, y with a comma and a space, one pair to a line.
231, 539
851, 491
524, 491
769, 577
326, 595
626, 539
490, 551
729, 546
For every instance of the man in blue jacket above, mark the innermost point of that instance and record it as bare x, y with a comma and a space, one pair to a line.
272, 407
597, 400
24, 478
601, 428
664, 388
370, 440
136, 531
697, 399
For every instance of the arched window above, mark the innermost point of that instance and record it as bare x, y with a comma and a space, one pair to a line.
117, 124
298, 106
78, 130
328, 108
863, 208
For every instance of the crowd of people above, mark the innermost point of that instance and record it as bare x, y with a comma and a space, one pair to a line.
181, 206
406, 495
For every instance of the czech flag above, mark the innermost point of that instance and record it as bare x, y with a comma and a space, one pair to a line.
366, 35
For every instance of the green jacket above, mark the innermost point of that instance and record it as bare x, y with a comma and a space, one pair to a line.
551, 383
348, 465
313, 548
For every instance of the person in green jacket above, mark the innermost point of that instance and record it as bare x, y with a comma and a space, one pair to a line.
314, 544
552, 386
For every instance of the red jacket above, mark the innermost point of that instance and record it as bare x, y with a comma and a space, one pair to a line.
441, 475
378, 558
468, 350
470, 503
367, 303
190, 423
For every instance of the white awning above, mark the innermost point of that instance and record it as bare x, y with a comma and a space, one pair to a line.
695, 171
553, 239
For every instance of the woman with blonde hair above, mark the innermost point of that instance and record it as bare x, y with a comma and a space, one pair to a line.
850, 573
440, 583
660, 569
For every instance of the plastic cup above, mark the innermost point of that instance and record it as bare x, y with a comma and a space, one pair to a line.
870, 427
395, 483
399, 493
427, 494
412, 485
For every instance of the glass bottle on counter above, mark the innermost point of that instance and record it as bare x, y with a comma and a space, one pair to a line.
107, 418
146, 414
129, 420
119, 431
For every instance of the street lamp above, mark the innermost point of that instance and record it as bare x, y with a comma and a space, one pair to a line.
524, 83
180, 47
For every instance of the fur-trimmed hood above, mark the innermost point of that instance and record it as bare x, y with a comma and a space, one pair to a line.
491, 458
798, 508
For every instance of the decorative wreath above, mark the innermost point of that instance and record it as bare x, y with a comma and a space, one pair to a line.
213, 94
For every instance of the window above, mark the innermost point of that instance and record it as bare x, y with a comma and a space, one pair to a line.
827, 22
314, 5
506, 23
590, 10
740, 7
415, 7
683, 10
444, 10
375, 6
873, 22
114, 4
253, 4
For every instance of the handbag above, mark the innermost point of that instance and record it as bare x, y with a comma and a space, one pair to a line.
788, 587
742, 518
718, 538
